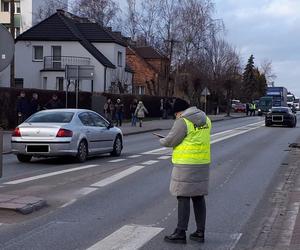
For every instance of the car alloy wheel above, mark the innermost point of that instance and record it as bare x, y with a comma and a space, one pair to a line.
117, 147
82, 152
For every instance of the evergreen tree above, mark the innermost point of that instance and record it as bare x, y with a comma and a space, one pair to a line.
249, 79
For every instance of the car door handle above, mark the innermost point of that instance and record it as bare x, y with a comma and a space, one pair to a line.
88, 132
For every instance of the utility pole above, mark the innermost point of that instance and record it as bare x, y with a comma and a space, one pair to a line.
12, 31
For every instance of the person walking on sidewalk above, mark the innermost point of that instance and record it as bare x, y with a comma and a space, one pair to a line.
132, 108
23, 108
34, 104
119, 109
190, 140
109, 110
140, 112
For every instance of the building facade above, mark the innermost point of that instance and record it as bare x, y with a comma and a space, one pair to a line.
43, 52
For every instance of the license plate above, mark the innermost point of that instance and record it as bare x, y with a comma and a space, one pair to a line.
277, 118
37, 148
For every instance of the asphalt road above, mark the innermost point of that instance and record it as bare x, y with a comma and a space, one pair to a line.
124, 203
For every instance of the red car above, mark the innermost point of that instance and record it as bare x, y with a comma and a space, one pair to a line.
240, 107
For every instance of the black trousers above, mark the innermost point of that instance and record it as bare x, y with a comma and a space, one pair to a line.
184, 212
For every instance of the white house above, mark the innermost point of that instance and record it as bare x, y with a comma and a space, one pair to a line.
42, 53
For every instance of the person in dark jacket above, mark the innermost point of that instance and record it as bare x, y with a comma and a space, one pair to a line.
54, 103
190, 140
23, 108
34, 104
133, 106
119, 110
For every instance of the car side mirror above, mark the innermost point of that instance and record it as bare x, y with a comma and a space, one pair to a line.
110, 125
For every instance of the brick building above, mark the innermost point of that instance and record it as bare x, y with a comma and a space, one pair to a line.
151, 70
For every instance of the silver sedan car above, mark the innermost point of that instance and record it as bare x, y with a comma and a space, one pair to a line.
59, 132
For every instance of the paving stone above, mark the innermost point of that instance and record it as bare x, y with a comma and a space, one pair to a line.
6, 197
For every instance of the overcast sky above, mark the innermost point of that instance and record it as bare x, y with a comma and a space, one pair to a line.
268, 29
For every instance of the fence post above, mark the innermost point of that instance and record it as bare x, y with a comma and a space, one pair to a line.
1, 152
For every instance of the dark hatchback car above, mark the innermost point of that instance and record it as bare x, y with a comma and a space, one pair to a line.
281, 116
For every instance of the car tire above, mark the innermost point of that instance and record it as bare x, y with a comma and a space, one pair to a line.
24, 158
117, 149
82, 152
267, 124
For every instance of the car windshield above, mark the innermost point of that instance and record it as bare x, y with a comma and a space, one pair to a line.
51, 117
280, 110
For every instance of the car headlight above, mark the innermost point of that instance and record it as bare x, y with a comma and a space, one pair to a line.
269, 110
259, 110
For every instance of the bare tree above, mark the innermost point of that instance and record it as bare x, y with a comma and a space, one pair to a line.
131, 19
48, 8
103, 12
266, 69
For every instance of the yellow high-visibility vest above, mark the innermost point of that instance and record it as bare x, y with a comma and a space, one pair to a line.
195, 148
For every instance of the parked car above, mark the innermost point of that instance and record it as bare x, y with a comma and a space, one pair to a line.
60, 132
239, 107
281, 116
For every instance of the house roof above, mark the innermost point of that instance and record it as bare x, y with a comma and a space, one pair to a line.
64, 26
149, 52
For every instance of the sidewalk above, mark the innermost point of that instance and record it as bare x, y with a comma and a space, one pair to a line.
127, 129
280, 229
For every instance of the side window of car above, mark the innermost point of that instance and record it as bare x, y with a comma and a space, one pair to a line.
86, 119
98, 121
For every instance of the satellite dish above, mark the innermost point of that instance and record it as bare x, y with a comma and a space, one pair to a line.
7, 47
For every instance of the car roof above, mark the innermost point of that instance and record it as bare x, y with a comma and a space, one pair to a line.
66, 110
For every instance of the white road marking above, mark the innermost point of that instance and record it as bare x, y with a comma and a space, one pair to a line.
154, 151
164, 157
37, 177
68, 203
134, 156
236, 237
118, 176
129, 237
149, 162
86, 191
117, 160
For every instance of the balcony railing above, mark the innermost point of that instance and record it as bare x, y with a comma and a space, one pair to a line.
60, 62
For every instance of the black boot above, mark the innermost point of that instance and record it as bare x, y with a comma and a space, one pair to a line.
197, 236
177, 237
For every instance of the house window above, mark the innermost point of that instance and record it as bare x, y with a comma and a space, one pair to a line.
17, 8
56, 57
60, 83
5, 7
140, 90
120, 59
45, 82
38, 53
19, 83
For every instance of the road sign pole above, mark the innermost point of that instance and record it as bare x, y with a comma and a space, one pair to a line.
1, 152
205, 102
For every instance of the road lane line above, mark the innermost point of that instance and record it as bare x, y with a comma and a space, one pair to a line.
37, 177
134, 156
117, 160
129, 237
236, 237
85, 191
69, 203
116, 177
154, 151
164, 157
149, 162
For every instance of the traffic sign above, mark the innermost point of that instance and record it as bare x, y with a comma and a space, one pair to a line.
7, 47
205, 92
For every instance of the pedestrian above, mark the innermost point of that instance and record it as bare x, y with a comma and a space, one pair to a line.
109, 110
119, 111
247, 108
254, 108
54, 103
141, 112
34, 104
132, 108
190, 140
23, 108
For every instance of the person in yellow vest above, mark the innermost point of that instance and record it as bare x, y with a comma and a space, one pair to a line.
190, 140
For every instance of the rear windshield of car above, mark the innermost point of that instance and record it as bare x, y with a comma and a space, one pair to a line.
280, 110
51, 117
